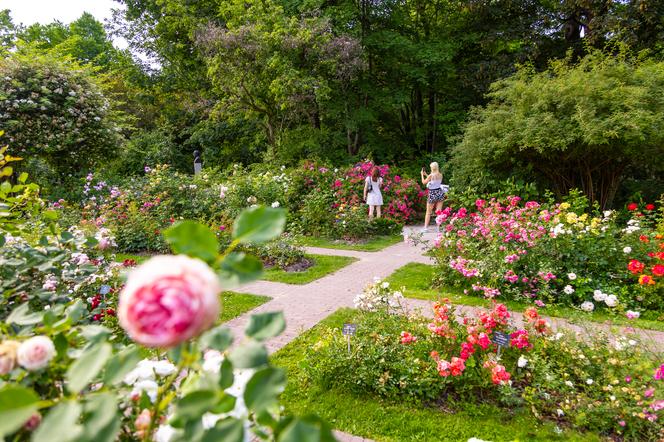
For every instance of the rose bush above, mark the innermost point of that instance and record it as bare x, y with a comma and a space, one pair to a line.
610, 385
551, 253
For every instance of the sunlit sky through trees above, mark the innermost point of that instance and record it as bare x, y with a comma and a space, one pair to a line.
27, 12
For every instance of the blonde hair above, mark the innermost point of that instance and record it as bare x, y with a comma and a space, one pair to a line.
435, 170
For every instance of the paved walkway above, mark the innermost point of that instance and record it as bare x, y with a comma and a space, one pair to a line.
306, 305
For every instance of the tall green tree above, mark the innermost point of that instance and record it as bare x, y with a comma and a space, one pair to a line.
263, 64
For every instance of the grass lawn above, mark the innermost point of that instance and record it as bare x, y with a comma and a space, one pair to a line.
371, 245
323, 265
417, 280
234, 304
383, 420
120, 257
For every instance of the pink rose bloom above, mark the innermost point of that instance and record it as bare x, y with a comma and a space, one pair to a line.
659, 373
168, 300
35, 353
33, 422
649, 392
104, 244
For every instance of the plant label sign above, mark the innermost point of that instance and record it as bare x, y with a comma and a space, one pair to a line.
105, 290
501, 340
349, 329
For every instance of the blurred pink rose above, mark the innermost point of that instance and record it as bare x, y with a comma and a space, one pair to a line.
35, 353
168, 300
33, 422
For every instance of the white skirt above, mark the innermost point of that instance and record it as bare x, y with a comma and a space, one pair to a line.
375, 198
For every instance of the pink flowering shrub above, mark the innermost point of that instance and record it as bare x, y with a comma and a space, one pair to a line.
612, 386
550, 253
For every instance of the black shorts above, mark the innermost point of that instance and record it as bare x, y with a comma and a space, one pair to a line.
436, 195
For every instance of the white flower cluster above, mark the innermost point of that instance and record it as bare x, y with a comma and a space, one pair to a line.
559, 229
633, 225
622, 343
609, 300
377, 296
143, 377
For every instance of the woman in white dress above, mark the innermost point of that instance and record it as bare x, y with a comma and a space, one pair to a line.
372, 194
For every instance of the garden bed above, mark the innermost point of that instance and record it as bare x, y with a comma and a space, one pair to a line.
373, 244
317, 267
384, 420
417, 279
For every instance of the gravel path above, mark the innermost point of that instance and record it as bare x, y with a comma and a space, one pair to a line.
306, 305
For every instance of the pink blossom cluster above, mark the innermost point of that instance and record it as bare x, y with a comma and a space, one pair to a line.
496, 237
407, 338
489, 293
459, 264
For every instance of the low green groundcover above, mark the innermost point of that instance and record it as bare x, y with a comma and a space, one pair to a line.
322, 265
417, 279
373, 244
397, 420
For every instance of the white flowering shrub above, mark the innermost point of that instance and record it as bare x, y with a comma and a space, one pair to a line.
53, 113
378, 296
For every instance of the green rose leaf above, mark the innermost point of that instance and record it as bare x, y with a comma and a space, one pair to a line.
250, 355
193, 405
85, 368
259, 224
2, 240
264, 387
61, 420
225, 404
102, 422
306, 429
219, 338
192, 239
263, 326
228, 430
21, 316
121, 364
17, 404
226, 376
240, 268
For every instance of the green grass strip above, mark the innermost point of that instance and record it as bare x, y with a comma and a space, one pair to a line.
374, 244
323, 265
417, 280
234, 304
381, 420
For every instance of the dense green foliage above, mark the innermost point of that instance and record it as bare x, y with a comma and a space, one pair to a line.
587, 126
285, 80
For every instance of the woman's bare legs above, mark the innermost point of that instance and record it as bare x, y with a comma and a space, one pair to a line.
371, 212
378, 211
439, 207
427, 217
